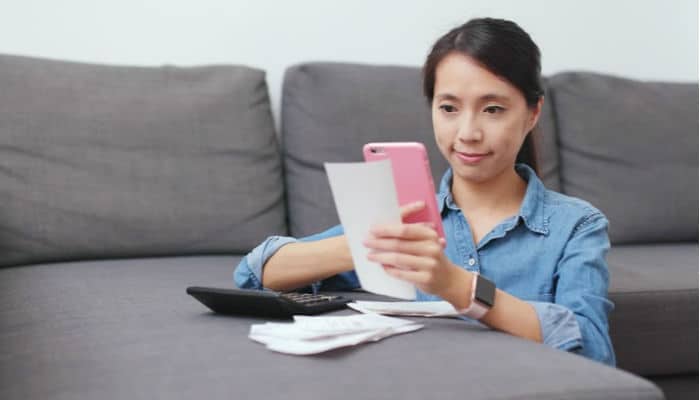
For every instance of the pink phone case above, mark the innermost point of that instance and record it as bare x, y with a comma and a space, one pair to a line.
412, 176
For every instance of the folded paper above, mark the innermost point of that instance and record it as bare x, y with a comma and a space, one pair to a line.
364, 195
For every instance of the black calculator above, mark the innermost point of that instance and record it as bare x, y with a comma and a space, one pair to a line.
265, 303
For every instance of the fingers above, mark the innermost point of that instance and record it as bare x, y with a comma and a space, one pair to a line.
405, 231
427, 248
403, 261
416, 277
410, 208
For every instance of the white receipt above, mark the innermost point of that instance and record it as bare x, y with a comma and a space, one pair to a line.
349, 323
311, 335
365, 194
313, 347
406, 308
307, 328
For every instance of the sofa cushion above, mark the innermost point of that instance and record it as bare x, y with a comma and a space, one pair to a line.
631, 149
678, 387
654, 327
330, 110
127, 330
110, 161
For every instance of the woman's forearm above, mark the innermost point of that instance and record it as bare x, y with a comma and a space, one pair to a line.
514, 316
299, 264
508, 314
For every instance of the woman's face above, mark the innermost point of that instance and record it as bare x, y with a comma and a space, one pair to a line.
480, 120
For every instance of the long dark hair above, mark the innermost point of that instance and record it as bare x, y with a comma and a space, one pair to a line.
503, 48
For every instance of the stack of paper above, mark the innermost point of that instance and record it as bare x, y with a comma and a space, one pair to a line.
406, 308
311, 335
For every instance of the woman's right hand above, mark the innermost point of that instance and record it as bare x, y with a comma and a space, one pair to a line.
413, 252
340, 243
410, 208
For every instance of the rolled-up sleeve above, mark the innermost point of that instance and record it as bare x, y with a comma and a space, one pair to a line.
577, 321
558, 325
248, 273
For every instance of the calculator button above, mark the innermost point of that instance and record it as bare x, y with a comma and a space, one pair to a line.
310, 299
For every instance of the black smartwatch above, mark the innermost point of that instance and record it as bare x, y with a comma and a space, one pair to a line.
482, 299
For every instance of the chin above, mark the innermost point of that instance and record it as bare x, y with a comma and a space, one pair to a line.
474, 174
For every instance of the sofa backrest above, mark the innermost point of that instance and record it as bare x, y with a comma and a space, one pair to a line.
631, 149
330, 110
111, 161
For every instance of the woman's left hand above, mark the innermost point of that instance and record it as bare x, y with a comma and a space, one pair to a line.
414, 253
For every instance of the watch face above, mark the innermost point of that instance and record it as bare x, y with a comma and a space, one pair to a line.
485, 291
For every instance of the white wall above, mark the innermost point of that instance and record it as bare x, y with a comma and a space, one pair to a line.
645, 39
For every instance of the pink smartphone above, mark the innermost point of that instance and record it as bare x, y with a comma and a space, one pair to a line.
412, 176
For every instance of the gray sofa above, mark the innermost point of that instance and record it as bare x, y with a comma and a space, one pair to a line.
121, 186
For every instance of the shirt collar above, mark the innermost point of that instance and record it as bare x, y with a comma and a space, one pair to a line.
532, 210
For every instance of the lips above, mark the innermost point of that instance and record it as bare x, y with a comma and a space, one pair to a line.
471, 157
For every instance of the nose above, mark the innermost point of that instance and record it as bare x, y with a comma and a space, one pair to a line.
469, 131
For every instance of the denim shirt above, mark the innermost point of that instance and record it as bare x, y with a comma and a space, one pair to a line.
551, 255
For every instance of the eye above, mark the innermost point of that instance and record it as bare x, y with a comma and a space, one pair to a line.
494, 109
448, 108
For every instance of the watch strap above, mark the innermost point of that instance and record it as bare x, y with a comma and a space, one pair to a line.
476, 309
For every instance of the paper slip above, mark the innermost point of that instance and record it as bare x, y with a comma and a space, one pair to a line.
302, 348
406, 308
312, 335
364, 195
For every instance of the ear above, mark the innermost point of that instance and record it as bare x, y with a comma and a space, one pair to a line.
535, 116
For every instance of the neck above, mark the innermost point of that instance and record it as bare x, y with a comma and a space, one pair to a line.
503, 193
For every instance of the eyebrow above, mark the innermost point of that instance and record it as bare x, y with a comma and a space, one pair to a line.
483, 98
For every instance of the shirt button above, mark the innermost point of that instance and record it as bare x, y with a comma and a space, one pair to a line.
472, 261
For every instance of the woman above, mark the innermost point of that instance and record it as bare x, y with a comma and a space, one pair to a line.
544, 251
